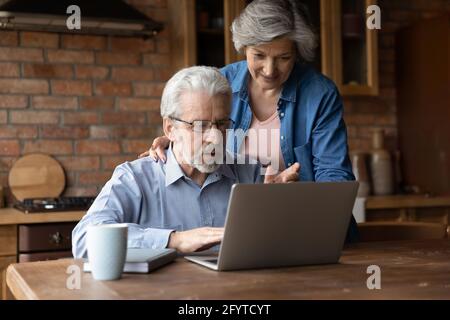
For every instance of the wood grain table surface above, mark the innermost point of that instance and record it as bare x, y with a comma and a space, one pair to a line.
409, 270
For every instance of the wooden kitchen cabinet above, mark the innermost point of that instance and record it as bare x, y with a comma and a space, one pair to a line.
8, 252
347, 51
8, 240
52, 229
423, 104
200, 31
4, 263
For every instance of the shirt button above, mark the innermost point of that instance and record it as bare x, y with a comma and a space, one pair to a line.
282, 137
282, 114
289, 164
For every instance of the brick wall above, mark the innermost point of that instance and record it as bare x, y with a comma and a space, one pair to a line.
363, 114
90, 101
93, 101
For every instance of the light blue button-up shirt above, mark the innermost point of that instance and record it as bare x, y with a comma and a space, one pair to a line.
156, 198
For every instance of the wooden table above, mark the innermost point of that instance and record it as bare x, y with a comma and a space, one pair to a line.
408, 270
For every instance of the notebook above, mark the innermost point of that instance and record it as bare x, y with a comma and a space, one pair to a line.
143, 260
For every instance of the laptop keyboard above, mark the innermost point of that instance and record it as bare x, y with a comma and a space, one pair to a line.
213, 260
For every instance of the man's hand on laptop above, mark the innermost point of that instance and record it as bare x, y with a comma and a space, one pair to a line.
196, 239
288, 175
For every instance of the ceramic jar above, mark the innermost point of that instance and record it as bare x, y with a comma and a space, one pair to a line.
359, 165
381, 166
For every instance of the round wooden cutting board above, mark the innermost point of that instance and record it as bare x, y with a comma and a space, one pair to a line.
36, 176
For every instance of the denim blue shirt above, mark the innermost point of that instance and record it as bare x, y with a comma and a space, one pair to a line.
156, 198
312, 129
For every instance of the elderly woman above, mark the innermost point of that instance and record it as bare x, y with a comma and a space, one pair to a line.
274, 90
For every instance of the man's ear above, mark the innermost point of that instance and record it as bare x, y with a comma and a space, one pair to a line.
168, 129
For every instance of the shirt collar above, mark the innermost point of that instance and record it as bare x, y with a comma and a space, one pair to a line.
239, 83
174, 172
289, 92
172, 168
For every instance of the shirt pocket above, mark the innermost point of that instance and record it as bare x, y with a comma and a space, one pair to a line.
303, 155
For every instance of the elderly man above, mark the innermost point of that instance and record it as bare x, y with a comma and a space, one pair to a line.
181, 203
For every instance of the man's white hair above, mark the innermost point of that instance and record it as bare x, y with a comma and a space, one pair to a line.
199, 78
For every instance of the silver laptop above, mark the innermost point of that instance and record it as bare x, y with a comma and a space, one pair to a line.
277, 225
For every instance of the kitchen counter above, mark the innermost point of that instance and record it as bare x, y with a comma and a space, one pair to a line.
406, 201
11, 221
10, 216
408, 208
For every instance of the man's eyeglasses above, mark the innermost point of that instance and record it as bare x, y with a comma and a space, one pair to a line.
203, 125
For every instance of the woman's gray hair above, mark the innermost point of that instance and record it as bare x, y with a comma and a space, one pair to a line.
199, 78
263, 21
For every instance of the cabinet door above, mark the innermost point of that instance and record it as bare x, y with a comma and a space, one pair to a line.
349, 48
8, 240
45, 237
200, 32
4, 263
8, 252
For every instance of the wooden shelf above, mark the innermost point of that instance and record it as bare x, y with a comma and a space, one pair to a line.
210, 31
401, 208
406, 201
